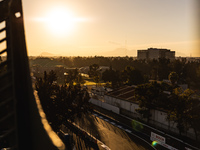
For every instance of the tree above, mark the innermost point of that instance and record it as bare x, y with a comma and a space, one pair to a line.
60, 102
163, 68
94, 73
153, 69
173, 77
46, 90
106, 75
192, 113
147, 95
112, 76
96, 79
178, 111
131, 76
70, 78
93, 70
74, 76
51, 77
79, 80
70, 101
192, 77
178, 66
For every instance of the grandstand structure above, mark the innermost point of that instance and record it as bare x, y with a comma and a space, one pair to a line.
21, 124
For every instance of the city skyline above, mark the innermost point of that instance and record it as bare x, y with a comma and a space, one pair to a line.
96, 27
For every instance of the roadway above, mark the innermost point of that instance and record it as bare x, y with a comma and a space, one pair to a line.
111, 133
80, 144
77, 140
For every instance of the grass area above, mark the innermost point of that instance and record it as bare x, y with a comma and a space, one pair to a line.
89, 83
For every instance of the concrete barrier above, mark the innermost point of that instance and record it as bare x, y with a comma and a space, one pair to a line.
105, 105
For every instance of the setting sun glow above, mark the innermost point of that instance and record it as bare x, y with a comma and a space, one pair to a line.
60, 21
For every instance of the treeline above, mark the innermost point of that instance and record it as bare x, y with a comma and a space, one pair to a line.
182, 107
188, 71
61, 102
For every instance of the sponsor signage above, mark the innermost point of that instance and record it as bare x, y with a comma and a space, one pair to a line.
161, 140
157, 137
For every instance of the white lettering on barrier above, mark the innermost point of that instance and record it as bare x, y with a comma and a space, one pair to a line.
158, 137
163, 144
160, 140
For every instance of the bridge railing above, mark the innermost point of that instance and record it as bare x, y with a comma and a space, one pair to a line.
21, 125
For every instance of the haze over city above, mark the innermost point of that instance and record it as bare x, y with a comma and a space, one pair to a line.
77, 28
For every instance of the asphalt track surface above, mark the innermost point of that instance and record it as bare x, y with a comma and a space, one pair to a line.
114, 135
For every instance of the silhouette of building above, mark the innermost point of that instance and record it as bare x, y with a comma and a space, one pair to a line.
155, 53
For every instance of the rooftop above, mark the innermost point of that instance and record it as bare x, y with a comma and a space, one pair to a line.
125, 92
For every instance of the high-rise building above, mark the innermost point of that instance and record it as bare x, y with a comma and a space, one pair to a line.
155, 53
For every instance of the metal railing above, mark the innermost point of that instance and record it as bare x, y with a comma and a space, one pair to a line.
21, 126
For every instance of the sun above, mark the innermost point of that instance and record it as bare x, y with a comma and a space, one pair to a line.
60, 21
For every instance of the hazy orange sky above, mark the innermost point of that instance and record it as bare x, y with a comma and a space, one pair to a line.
93, 27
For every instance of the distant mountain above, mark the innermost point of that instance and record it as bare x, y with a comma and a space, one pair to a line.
119, 52
180, 54
47, 54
